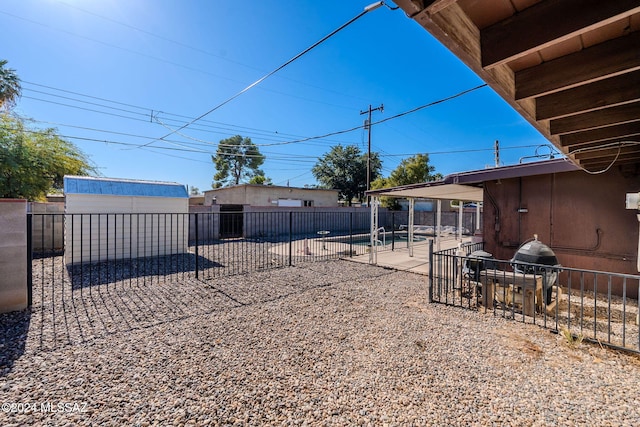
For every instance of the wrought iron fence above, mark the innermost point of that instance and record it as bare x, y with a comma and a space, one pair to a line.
596, 306
79, 253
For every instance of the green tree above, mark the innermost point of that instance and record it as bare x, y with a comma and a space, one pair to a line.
236, 160
413, 170
10, 88
345, 169
260, 180
34, 162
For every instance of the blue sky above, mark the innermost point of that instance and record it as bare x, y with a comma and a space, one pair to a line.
113, 75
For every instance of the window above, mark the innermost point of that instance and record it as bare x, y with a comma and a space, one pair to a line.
308, 203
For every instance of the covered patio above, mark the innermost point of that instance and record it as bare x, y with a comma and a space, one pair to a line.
415, 257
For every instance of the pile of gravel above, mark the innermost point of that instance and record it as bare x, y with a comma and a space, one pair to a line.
327, 343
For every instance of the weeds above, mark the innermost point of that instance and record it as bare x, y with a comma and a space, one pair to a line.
572, 340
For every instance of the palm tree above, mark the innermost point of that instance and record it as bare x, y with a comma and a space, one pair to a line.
10, 89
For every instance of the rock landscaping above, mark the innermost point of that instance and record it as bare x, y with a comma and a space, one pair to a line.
324, 343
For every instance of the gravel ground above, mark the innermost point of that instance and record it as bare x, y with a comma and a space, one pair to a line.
326, 343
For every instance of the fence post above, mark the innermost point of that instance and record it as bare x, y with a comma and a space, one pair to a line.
29, 260
430, 270
351, 234
393, 230
290, 238
196, 243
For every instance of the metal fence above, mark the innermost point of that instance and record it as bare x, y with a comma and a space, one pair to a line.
596, 306
80, 251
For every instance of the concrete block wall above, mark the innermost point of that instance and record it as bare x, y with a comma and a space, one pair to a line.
47, 226
13, 255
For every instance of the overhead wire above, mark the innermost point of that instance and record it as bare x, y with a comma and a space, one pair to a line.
619, 144
269, 74
439, 101
197, 49
149, 114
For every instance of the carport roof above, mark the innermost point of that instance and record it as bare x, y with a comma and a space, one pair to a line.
433, 190
467, 186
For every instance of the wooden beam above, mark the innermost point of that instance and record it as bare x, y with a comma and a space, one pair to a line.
411, 7
595, 119
415, 7
436, 6
601, 134
599, 167
547, 23
604, 60
457, 32
606, 93
605, 157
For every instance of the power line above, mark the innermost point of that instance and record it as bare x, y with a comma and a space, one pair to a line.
413, 110
142, 54
472, 150
196, 49
306, 139
261, 79
295, 141
442, 100
149, 112
277, 157
166, 61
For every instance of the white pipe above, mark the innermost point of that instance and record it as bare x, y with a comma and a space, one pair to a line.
412, 206
373, 249
438, 223
460, 221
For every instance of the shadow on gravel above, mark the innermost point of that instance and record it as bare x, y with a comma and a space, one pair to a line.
14, 328
100, 273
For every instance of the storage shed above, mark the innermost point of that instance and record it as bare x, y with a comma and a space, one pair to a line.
109, 219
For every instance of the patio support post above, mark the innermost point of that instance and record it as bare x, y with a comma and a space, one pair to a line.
438, 223
477, 216
431, 268
373, 235
290, 238
460, 210
412, 206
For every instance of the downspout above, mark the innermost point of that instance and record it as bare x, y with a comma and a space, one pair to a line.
496, 226
551, 192
519, 210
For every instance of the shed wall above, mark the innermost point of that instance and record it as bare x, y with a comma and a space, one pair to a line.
102, 227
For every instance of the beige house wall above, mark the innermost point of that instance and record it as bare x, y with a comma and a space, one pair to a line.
268, 195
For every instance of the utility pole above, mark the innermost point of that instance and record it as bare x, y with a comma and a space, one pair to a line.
368, 126
496, 150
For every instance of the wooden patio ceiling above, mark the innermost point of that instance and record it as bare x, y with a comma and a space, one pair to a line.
569, 67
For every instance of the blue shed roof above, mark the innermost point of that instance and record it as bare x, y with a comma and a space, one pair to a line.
123, 187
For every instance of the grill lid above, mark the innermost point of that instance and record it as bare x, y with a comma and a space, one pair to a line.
535, 252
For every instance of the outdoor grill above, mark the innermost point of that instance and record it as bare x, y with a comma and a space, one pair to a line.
477, 261
534, 257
